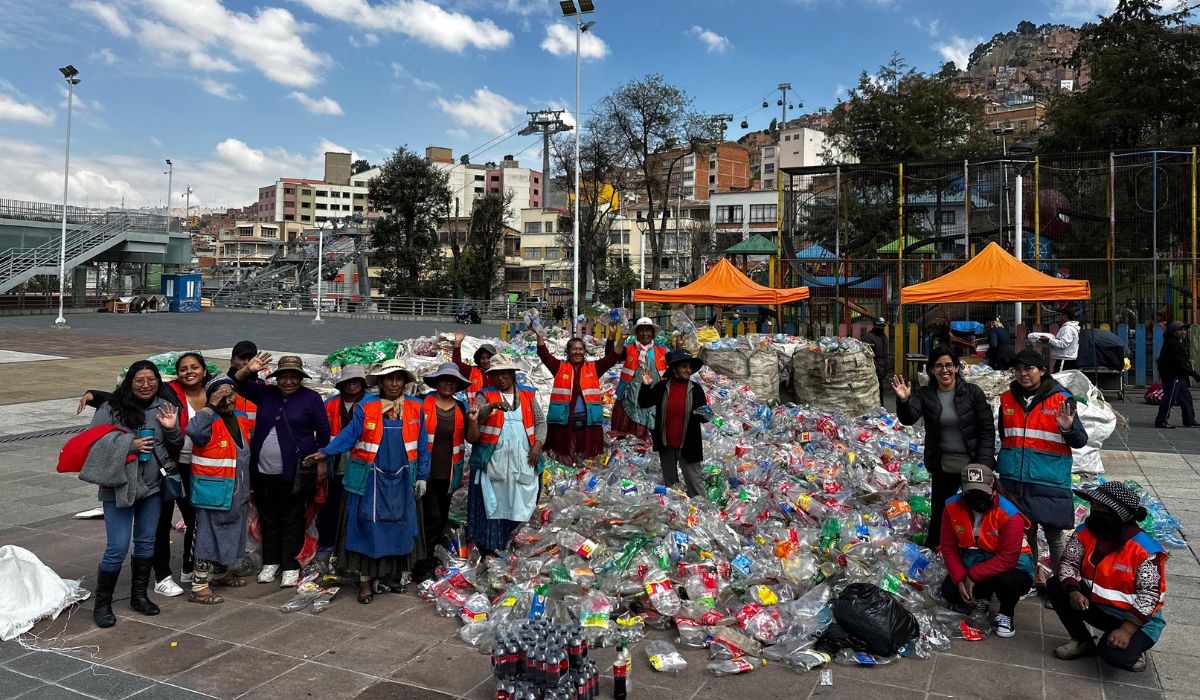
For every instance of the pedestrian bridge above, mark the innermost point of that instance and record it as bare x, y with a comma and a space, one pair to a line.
30, 235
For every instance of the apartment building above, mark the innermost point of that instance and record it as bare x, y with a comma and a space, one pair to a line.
737, 216
695, 175
312, 202
469, 181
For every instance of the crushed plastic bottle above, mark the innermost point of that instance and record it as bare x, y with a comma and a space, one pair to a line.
664, 658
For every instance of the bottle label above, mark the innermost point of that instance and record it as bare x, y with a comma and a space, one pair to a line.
741, 564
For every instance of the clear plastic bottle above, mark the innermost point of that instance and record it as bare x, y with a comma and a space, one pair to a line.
732, 667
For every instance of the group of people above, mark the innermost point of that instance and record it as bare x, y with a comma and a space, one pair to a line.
374, 471
987, 508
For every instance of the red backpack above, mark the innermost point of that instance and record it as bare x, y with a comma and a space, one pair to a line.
73, 454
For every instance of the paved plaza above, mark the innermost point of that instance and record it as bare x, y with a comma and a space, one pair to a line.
398, 647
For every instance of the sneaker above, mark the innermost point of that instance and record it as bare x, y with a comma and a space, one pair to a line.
290, 578
168, 588
1075, 649
186, 577
1139, 664
1033, 591
1164, 426
268, 572
1004, 626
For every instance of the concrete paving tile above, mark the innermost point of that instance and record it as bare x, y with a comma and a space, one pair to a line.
432, 669
106, 683
380, 613
1116, 691
422, 620
241, 624
1028, 617
309, 680
1024, 649
165, 691
54, 692
1182, 586
13, 684
124, 637
952, 671
178, 613
46, 665
234, 673
160, 660
1146, 679
307, 637
856, 690
763, 682
389, 690
1058, 685
70, 623
375, 652
905, 673
1176, 672
11, 650
50, 499
1184, 566
1082, 668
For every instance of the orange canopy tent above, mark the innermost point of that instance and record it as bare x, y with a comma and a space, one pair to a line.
723, 284
994, 275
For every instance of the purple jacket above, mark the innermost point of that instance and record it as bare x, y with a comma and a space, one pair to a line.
302, 412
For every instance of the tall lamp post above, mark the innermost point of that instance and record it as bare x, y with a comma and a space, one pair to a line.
320, 268
641, 227
569, 9
72, 78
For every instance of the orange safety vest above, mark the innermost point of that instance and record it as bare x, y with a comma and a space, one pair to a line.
560, 394
1114, 580
632, 353
431, 416
1036, 431
990, 527
475, 385
413, 418
247, 411
489, 430
214, 466
366, 449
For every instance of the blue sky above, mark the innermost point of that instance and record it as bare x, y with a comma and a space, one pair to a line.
238, 93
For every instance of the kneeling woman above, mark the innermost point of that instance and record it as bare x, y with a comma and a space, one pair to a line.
983, 545
220, 489
507, 426
386, 475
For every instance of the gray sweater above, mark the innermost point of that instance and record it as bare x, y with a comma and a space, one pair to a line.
166, 443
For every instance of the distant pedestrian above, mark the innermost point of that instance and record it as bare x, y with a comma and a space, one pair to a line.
1174, 368
559, 314
1064, 346
1000, 352
876, 338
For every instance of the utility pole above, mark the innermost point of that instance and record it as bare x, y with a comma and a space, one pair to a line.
783, 104
547, 121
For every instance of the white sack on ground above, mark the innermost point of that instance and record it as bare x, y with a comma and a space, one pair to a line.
1098, 418
31, 591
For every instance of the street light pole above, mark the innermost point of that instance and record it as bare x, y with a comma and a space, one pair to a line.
187, 206
570, 9
70, 74
320, 269
170, 176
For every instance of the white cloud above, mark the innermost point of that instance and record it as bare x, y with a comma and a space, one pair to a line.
210, 37
933, 27
1081, 10
216, 88
458, 134
418, 19
13, 110
368, 39
323, 105
525, 7
560, 41
957, 50
484, 110
108, 15
715, 43
399, 72
106, 56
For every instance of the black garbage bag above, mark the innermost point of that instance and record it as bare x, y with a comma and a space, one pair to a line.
869, 619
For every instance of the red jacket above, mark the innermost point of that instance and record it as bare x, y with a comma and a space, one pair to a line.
1012, 540
73, 454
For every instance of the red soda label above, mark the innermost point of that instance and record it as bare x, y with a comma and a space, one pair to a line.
969, 633
750, 610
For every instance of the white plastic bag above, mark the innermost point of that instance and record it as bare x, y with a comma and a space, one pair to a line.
31, 591
1098, 418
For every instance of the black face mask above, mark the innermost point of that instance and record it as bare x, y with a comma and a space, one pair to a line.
980, 503
1104, 525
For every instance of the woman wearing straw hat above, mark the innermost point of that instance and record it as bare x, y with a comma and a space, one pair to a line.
506, 426
219, 490
290, 423
676, 433
385, 477
352, 390
446, 424
576, 416
643, 357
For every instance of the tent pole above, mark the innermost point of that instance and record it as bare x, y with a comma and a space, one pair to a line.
837, 242
1019, 214
1112, 238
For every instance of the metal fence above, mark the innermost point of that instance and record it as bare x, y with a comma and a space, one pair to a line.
488, 310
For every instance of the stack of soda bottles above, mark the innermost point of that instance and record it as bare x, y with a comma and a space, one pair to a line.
541, 661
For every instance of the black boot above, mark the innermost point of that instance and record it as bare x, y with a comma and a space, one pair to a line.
138, 600
106, 582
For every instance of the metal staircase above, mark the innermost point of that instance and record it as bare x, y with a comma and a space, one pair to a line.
289, 274
86, 241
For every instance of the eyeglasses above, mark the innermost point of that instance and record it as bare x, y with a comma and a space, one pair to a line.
144, 382
943, 367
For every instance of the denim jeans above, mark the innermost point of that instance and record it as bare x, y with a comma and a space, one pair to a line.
137, 522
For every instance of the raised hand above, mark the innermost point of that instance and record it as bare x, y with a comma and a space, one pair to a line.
259, 362
459, 336
1065, 417
901, 387
647, 380
168, 416
83, 402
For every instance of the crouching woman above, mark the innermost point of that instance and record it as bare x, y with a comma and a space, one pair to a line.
220, 489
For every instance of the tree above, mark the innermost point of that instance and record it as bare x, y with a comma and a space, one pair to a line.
414, 198
619, 285
601, 177
647, 117
898, 114
1145, 83
483, 257
360, 166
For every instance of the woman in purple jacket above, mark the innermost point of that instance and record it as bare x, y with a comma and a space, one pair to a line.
291, 423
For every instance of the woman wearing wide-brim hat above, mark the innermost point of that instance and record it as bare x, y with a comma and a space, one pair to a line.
385, 477
290, 423
506, 425
643, 356
446, 424
676, 432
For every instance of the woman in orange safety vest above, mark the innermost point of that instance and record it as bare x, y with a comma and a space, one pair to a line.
1113, 577
642, 356
220, 489
445, 422
576, 417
